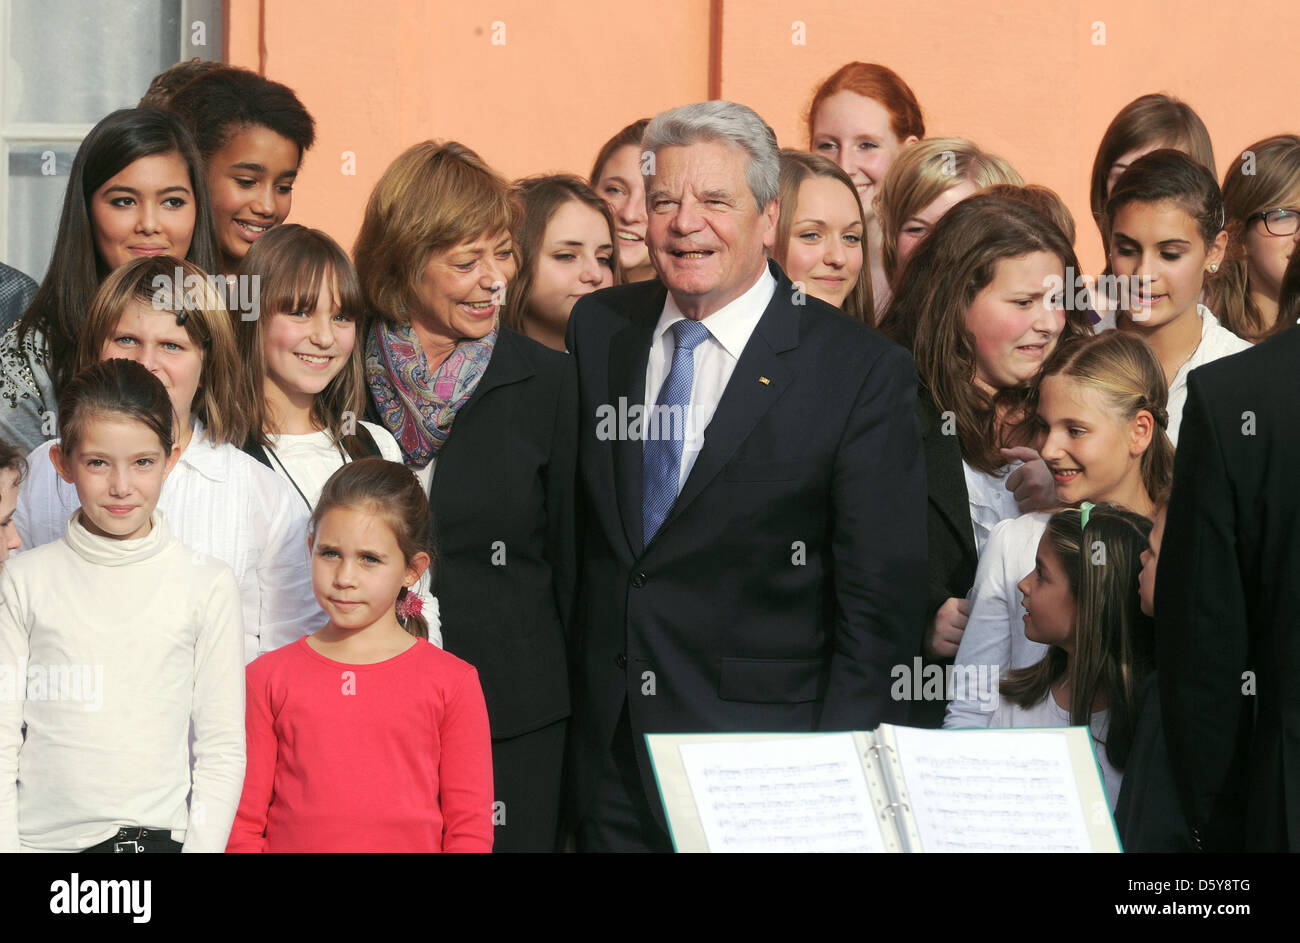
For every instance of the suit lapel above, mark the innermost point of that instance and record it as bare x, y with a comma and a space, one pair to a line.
944, 473
746, 398
629, 353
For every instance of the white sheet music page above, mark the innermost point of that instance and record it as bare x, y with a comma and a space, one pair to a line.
992, 790
802, 794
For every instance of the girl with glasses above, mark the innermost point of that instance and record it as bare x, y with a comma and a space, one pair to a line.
1261, 198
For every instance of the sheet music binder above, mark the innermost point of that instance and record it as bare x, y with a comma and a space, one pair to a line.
900, 816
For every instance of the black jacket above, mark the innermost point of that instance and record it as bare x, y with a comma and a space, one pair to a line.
789, 576
1227, 602
951, 537
502, 501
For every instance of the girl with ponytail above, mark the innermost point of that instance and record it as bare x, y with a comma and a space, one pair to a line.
363, 736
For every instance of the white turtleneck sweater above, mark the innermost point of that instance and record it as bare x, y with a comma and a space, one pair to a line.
109, 649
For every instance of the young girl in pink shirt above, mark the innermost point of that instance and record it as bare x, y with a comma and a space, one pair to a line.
363, 736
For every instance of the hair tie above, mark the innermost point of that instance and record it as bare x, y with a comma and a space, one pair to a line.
1160, 415
409, 604
1085, 509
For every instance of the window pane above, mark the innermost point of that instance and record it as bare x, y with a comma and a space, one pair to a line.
72, 62
35, 200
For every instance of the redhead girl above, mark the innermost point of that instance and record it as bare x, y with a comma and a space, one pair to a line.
862, 117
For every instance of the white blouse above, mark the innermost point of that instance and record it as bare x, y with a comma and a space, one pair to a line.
305, 462
990, 501
995, 630
218, 501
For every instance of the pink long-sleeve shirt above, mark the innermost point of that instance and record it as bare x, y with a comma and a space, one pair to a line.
391, 757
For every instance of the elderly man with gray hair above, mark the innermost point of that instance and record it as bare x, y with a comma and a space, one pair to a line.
752, 495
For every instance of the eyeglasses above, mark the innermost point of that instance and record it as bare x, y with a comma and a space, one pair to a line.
1278, 222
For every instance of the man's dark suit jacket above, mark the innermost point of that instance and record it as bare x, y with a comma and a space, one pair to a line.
790, 574
1227, 601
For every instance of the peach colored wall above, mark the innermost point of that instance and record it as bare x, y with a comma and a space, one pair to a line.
383, 75
1020, 77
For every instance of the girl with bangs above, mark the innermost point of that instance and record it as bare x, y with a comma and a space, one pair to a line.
218, 501
303, 363
488, 420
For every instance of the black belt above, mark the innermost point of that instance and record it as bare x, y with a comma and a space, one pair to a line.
136, 840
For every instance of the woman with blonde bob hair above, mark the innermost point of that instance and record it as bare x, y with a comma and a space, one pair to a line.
924, 182
168, 314
1263, 222
497, 413
821, 234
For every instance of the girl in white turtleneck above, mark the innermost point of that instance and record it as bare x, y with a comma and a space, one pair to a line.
113, 641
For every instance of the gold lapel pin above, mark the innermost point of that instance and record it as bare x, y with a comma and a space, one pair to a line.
765, 381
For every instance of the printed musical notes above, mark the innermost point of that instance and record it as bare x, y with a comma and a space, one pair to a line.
793, 794
989, 790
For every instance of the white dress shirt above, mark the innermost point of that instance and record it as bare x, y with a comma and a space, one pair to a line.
1216, 342
995, 629
730, 328
221, 502
118, 647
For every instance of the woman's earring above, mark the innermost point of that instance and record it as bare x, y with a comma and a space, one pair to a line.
1214, 266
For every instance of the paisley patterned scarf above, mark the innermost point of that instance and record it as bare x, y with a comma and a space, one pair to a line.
418, 409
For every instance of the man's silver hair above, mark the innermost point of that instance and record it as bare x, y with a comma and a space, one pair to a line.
727, 122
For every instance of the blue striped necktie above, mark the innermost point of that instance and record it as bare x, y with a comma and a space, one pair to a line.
662, 455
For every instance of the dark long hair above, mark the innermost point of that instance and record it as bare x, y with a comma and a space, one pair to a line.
393, 492
1114, 643
938, 285
59, 309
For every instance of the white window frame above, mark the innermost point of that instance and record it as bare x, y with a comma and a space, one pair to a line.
19, 133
